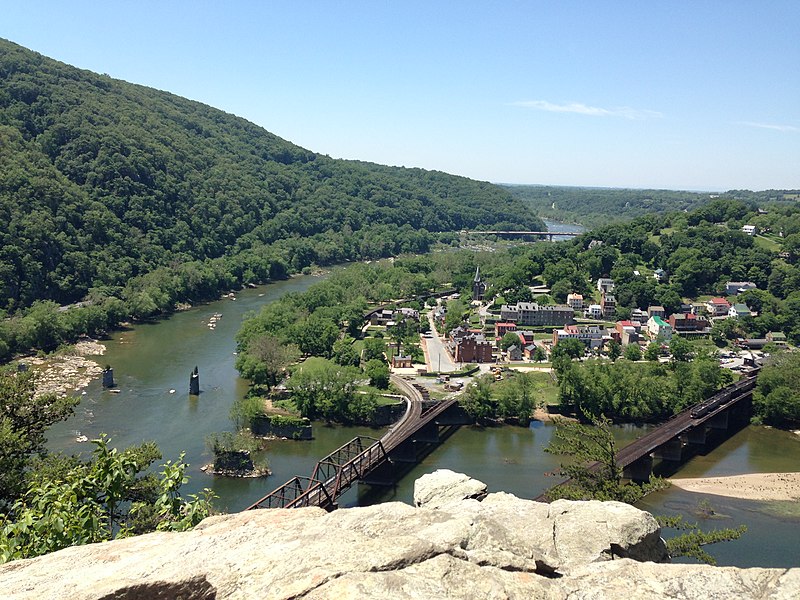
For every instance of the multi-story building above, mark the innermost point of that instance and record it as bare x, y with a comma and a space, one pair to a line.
605, 284
737, 287
590, 335
718, 307
469, 346
575, 301
681, 323
593, 311
608, 304
531, 314
626, 332
473, 348
658, 328
500, 329
639, 316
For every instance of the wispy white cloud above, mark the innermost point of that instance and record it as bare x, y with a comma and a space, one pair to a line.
772, 126
579, 108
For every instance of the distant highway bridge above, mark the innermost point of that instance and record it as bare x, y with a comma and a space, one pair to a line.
547, 234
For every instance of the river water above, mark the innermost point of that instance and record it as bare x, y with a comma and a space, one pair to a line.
150, 360
559, 226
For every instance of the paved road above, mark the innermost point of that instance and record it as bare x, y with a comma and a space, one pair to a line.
437, 356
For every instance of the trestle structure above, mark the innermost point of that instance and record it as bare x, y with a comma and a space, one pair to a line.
721, 415
364, 456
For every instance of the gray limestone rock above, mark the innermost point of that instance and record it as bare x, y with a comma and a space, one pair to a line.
443, 486
502, 547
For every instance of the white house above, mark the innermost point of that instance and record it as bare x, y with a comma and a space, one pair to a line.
718, 307
737, 287
590, 335
658, 328
594, 311
739, 310
749, 229
605, 284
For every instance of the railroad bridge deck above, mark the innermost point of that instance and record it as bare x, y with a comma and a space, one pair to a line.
723, 411
364, 458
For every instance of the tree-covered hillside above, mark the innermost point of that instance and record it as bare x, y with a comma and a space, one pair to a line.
595, 207
102, 181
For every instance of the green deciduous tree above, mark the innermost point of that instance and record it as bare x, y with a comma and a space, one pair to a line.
517, 398
374, 348
777, 397
680, 349
508, 340
633, 352
592, 468
316, 335
24, 418
323, 389
265, 360
477, 399
345, 353
107, 497
653, 351
614, 350
378, 373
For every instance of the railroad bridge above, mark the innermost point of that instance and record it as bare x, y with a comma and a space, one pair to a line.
374, 461
688, 432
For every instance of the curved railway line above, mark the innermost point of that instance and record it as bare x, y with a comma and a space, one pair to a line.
336, 472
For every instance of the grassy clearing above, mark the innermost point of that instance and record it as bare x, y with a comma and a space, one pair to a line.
546, 388
768, 243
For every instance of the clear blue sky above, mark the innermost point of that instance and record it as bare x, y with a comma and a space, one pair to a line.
683, 95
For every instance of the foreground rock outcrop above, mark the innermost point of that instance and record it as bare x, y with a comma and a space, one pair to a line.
500, 547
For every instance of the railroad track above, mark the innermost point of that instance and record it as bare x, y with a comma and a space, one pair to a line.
360, 460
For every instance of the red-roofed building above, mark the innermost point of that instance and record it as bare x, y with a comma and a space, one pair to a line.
500, 329
525, 337
688, 322
626, 332
718, 307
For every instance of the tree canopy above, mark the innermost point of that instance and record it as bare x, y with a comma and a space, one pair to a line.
111, 190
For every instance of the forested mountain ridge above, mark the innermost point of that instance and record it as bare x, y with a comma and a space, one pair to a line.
102, 181
596, 207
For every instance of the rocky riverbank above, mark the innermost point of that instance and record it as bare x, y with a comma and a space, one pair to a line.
458, 542
68, 371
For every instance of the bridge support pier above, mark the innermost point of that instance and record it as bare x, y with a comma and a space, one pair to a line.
429, 434
672, 450
404, 453
697, 436
719, 421
742, 410
640, 470
454, 416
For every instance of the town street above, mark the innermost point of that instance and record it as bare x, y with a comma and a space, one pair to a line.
436, 355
